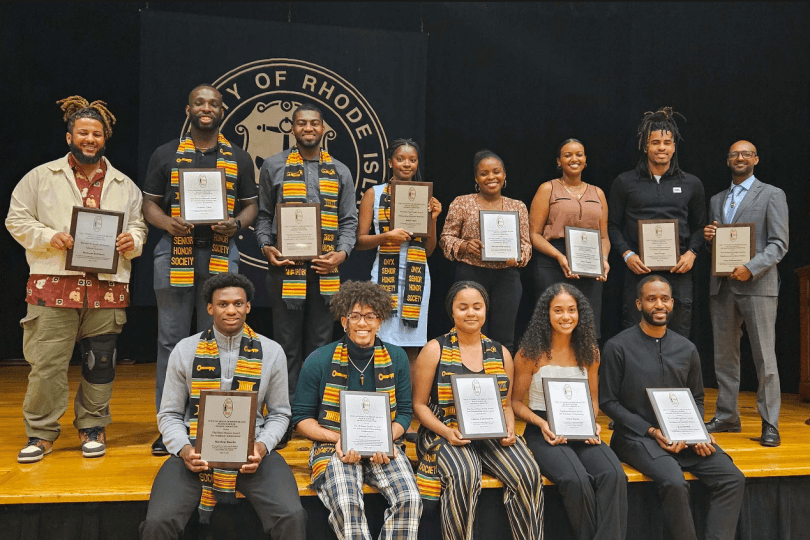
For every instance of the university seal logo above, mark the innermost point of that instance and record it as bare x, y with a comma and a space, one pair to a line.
259, 99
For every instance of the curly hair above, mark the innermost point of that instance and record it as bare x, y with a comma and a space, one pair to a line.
364, 293
459, 286
224, 281
75, 107
537, 340
661, 120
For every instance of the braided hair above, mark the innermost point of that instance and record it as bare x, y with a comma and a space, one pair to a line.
536, 342
661, 120
75, 107
399, 143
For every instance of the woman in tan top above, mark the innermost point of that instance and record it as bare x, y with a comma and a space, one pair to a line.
568, 201
461, 241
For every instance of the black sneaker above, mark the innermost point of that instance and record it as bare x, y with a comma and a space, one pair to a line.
158, 448
35, 449
94, 441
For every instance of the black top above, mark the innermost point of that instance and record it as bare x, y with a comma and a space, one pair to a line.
636, 195
163, 160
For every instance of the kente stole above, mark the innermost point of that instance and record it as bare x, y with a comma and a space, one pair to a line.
388, 267
427, 475
329, 413
219, 485
181, 271
294, 190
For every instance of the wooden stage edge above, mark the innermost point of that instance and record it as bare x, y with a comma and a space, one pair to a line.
127, 471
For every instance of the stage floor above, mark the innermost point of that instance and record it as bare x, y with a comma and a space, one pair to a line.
127, 471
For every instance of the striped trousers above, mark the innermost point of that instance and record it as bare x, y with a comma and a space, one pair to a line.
460, 469
341, 492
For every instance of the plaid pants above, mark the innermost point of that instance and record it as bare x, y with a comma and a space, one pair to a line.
342, 493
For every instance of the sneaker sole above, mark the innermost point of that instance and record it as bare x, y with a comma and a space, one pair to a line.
34, 459
97, 453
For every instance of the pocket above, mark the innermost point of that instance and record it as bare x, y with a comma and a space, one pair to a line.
28, 320
120, 318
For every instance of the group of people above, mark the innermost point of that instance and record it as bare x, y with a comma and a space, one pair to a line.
300, 372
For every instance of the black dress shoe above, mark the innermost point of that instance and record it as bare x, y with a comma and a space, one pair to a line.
716, 425
770, 435
158, 448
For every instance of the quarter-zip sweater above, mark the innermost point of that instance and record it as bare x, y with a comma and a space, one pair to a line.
636, 195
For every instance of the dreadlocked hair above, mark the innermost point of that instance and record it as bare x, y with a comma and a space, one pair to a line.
76, 107
399, 143
661, 120
536, 341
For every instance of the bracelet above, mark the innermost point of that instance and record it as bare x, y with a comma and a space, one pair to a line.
238, 225
629, 253
604, 257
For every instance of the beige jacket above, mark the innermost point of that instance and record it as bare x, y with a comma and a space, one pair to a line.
42, 204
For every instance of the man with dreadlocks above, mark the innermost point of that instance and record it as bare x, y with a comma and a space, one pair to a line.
187, 256
658, 189
300, 292
66, 306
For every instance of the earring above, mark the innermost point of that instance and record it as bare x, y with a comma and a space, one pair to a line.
477, 188
558, 167
504, 184
345, 329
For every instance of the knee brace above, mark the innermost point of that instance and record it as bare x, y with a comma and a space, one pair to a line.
98, 358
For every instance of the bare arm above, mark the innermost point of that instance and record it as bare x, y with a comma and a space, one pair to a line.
508, 414
154, 214
312, 430
603, 229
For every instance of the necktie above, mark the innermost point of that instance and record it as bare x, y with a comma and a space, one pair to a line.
732, 207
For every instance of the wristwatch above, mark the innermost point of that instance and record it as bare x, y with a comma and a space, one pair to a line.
238, 225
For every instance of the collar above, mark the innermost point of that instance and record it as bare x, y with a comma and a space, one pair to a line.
227, 342
745, 184
649, 337
74, 164
63, 164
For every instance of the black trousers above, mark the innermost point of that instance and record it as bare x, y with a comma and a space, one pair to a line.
504, 289
591, 481
271, 490
725, 482
681, 320
298, 331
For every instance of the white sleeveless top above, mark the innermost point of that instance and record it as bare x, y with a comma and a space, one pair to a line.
537, 399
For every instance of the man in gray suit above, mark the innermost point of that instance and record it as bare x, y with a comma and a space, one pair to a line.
749, 295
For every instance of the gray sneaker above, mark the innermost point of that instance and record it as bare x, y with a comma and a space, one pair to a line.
93, 441
35, 449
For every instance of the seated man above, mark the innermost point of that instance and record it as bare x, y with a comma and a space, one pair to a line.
649, 356
337, 473
231, 355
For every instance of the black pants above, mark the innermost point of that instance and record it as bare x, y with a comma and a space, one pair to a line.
681, 320
271, 490
504, 289
298, 331
591, 481
725, 482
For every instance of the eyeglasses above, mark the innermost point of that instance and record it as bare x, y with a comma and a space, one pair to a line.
746, 154
355, 317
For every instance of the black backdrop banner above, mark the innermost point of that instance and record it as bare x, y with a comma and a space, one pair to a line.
369, 84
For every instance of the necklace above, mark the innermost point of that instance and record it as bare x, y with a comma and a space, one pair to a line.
574, 193
492, 205
362, 371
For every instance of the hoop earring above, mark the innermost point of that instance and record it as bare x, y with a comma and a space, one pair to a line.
477, 188
504, 184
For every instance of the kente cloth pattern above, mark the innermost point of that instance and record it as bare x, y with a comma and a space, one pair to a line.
219, 485
388, 267
181, 272
329, 413
294, 190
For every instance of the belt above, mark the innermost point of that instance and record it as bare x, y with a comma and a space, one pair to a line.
202, 242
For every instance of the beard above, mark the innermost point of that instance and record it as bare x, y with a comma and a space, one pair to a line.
648, 317
195, 121
81, 157
306, 144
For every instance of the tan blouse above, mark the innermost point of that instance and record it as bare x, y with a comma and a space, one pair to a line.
564, 209
462, 224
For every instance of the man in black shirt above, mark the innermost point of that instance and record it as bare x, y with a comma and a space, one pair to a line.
658, 189
187, 256
648, 356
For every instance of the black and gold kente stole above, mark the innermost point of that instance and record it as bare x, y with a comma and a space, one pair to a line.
329, 412
427, 475
181, 272
219, 485
388, 267
294, 190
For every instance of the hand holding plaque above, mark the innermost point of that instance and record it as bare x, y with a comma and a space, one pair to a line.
678, 415
569, 408
733, 245
584, 251
365, 423
299, 230
659, 243
500, 235
478, 406
225, 428
410, 206
203, 196
95, 233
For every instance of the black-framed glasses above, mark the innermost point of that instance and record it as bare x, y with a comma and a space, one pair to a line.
355, 316
746, 154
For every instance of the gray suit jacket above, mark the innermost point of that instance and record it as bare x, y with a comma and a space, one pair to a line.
766, 206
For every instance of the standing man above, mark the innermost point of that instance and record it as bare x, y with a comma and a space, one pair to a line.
749, 295
66, 306
300, 292
187, 256
658, 189
648, 356
228, 355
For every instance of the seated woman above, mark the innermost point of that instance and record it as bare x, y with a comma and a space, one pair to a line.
454, 469
359, 361
561, 342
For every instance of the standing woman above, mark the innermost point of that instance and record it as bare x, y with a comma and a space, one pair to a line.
400, 251
561, 342
461, 241
568, 201
451, 466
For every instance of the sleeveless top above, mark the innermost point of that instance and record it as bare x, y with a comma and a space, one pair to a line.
564, 209
537, 399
